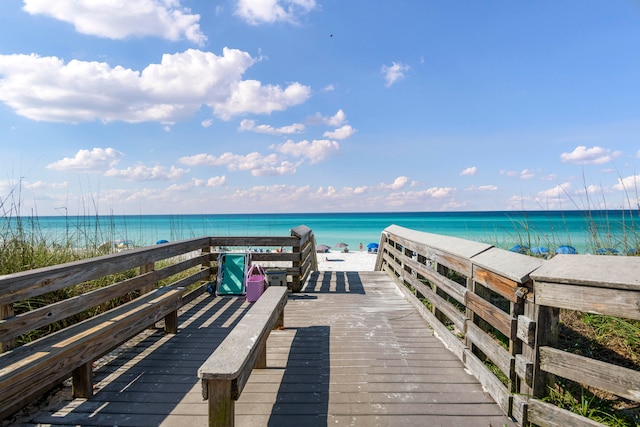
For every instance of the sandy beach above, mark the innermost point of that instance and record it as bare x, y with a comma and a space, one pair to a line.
346, 261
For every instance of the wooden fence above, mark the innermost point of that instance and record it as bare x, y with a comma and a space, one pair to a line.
498, 311
297, 258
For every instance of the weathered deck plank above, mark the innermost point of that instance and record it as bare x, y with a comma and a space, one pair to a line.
353, 352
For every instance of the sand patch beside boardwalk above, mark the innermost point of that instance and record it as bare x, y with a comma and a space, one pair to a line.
346, 261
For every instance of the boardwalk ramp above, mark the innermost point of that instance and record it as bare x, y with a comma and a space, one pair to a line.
353, 352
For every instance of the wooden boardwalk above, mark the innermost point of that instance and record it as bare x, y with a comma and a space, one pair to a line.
353, 352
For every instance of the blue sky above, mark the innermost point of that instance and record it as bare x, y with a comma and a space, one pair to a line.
245, 106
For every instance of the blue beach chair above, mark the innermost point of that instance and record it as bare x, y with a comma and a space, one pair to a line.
232, 273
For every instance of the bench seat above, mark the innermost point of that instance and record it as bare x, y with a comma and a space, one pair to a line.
225, 373
34, 368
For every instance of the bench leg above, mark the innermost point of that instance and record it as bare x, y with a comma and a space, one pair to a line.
221, 406
171, 323
83, 381
261, 361
280, 321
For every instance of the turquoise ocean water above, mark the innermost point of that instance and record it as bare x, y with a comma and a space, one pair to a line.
615, 228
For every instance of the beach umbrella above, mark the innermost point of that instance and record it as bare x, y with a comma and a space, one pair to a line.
372, 245
322, 248
161, 241
519, 249
566, 250
540, 250
341, 245
607, 251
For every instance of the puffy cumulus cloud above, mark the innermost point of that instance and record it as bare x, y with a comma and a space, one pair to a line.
397, 183
629, 183
249, 96
439, 192
250, 126
256, 163
558, 191
147, 173
268, 11
45, 88
216, 181
594, 155
394, 72
94, 160
470, 171
315, 151
118, 19
337, 119
343, 132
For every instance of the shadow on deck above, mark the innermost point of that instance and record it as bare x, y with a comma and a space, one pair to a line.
353, 352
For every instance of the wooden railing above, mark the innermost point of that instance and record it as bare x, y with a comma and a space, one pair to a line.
184, 269
297, 259
498, 311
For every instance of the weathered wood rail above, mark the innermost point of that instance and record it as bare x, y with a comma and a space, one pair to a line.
501, 309
182, 268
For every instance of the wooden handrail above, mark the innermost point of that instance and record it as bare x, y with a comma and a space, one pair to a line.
496, 306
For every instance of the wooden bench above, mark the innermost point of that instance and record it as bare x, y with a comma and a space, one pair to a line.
28, 371
225, 373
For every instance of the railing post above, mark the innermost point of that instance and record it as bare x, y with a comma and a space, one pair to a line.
547, 321
144, 269
6, 311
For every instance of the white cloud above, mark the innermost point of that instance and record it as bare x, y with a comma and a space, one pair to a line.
523, 174
268, 11
397, 184
629, 184
44, 185
527, 174
118, 19
337, 119
206, 123
250, 125
45, 88
470, 171
147, 173
560, 190
343, 132
315, 151
394, 72
216, 181
487, 188
255, 162
440, 192
95, 160
594, 155
249, 96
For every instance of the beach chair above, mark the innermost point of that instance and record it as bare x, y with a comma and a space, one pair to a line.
232, 273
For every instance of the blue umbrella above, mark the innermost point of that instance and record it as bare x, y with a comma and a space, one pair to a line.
161, 241
519, 249
566, 250
372, 245
540, 250
607, 251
